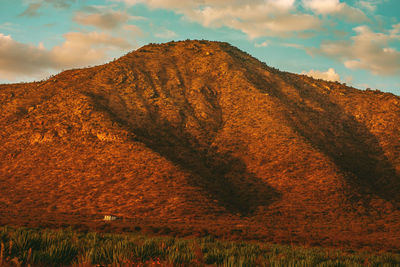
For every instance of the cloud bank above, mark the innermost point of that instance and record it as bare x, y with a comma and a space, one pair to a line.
366, 50
79, 49
34, 5
329, 75
104, 20
336, 8
256, 18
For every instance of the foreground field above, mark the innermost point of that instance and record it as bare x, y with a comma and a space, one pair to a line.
44, 247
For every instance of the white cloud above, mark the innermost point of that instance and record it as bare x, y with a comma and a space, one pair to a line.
105, 20
263, 44
370, 5
79, 49
103, 17
323, 6
348, 79
367, 5
283, 25
336, 8
395, 30
293, 45
17, 58
351, 14
31, 10
34, 5
366, 50
86, 48
256, 18
8, 26
166, 34
132, 30
59, 3
329, 75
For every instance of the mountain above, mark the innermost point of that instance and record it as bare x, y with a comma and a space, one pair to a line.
198, 137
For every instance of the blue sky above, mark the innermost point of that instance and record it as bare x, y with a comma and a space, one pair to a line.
353, 41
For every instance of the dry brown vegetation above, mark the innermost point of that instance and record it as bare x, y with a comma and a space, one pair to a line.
198, 137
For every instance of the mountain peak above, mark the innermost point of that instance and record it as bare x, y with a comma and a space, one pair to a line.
188, 44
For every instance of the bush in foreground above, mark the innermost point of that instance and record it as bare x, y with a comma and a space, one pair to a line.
42, 247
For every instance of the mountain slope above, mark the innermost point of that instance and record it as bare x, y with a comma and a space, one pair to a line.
199, 135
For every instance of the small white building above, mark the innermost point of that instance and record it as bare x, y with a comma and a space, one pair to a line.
110, 218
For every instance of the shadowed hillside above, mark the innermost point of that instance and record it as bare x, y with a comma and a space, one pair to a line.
200, 137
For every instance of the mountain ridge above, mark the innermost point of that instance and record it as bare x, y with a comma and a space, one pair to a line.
201, 134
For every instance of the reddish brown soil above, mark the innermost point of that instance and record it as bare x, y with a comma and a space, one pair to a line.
199, 137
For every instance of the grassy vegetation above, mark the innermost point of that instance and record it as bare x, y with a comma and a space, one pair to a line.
38, 247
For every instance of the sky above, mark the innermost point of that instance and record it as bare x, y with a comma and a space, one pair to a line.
352, 41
